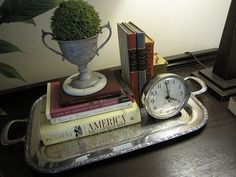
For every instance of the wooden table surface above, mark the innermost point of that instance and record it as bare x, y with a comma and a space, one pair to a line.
210, 151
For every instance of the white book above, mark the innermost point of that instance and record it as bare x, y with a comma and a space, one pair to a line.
51, 134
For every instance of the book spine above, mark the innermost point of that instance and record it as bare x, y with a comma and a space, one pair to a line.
83, 107
128, 56
85, 114
51, 134
124, 55
133, 64
150, 66
142, 80
149, 46
141, 55
132, 48
141, 66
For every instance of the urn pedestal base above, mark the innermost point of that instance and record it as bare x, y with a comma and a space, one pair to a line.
101, 83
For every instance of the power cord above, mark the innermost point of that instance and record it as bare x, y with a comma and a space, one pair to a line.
193, 55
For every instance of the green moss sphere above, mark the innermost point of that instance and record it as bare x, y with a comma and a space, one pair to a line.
75, 20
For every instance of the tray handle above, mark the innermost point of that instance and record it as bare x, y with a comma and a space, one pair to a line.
4, 133
200, 82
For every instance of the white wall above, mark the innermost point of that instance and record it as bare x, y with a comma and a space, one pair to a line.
175, 25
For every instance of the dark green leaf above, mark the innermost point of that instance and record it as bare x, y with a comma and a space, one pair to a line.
7, 47
30, 21
22, 10
10, 72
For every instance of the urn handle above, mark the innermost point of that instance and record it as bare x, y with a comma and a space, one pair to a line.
44, 34
108, 26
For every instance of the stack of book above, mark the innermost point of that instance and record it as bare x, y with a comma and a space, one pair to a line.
69, 117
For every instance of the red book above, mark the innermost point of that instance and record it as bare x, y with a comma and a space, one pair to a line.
111, 89
128, 58
134, 86
55, 111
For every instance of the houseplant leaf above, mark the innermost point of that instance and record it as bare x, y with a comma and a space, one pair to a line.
10, 72
7, 47
22, 10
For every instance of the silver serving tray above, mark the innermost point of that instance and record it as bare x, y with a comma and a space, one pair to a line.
78, 152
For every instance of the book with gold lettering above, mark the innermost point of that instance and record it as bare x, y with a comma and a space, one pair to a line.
141, 54
149, 47
128, 58
51, 134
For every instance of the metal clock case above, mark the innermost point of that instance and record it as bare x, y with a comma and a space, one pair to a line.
166, 94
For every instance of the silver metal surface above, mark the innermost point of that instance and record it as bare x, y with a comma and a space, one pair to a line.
78, 152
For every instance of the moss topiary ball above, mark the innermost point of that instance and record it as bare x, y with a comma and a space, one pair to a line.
75, 20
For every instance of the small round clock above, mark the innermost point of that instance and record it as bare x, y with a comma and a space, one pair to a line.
165, 95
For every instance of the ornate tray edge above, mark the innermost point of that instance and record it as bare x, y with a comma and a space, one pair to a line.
112, 154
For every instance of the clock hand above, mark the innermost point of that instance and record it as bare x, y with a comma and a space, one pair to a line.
167, 91
168, 94
170, 98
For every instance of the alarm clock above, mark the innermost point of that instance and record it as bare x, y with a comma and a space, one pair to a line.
166, 94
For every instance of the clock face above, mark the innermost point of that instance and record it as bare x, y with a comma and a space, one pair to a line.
165, 96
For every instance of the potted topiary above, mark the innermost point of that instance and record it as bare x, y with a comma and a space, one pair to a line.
75, 26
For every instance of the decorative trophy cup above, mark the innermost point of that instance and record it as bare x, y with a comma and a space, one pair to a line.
80, 53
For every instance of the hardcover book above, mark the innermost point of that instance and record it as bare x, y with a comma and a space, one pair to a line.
128, 58
159, 64
145, 53
51, 134
141, 54
149, 48
111, 89
58, 114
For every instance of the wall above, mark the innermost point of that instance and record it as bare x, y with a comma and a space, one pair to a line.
176, 26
